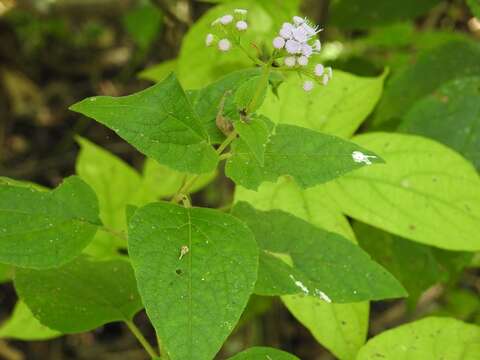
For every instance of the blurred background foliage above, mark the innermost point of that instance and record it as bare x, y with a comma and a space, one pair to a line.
56, 52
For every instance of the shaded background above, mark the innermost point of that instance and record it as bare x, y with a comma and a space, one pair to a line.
54, 53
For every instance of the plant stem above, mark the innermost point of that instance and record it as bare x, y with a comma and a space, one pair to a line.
262, 84
141, 339
118, 234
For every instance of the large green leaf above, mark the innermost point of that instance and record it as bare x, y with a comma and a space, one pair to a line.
22, 325
451, 115
433, 69
354, 14
263, 353
187, 263
322, 263
427, 339
160, 122
342, 328
255, 134
308, 156
199, 65
6, 272
425, 192
81, 295
116, 185
40, 229
403, 258
337, 109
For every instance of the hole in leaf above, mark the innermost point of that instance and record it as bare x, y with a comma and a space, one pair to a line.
179, 271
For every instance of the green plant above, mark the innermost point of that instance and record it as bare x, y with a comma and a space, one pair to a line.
285, 143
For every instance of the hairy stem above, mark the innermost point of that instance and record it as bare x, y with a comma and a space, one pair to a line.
141, 339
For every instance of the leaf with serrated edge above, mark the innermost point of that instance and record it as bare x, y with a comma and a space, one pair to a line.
81, 295
432, 338
40, 229
324, 264
187, 263
426, 192
160, 122
308, 156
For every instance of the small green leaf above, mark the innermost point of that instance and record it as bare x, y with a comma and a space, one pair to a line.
341, 328
263, 353
22, 325
220, 95
338, 109
310, 157
160, 122
451, 116
187, 263
325, 264
255, 135
425, 192
427, 339
249, 91
40, 229
81, 295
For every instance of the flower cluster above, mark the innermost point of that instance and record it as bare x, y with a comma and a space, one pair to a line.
226, 28
297, 43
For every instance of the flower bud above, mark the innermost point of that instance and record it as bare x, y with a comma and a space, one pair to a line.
308, 85
226, 19
319, 70
209, 40
224, 45
278, 42
241, 25
302, 61
290, 61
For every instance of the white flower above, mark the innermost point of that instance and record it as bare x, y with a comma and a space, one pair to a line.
319, 70
308, 85
360, 157
278, 42
297, 20
307, 50
309, 29
241, 25
293, 47
224, 45
209, 39
317, 45
240, 11
287, 30
290, 61
302, 61
226, 19
325, 79
300, 35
